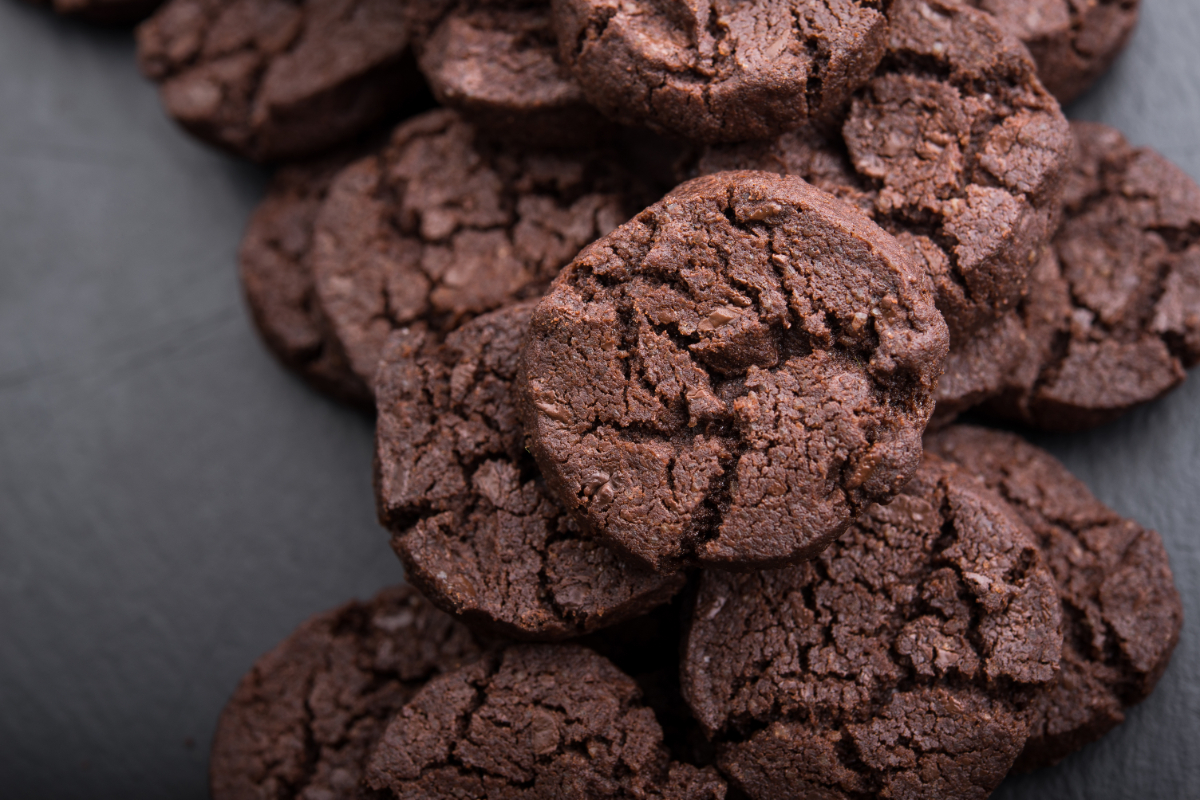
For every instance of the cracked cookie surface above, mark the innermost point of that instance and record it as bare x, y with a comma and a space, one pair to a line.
1073, 43
1121, 611
953, 146
468, 511
898, 663
275, 79
533, 722
303, 722
1112, 317
731, 376
720, 71
441, 226
497, 63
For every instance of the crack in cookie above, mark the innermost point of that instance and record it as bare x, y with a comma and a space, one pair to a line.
440, 227
731, 376
720, 71
953, 146
305, 719
1121, 611
469, 513
530, 722
898, 663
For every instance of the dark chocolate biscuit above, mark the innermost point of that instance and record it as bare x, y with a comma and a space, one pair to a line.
279, 79
898, 663
468, 511
731, 376
720, 72
1073, 42
103, 12
277, 278
304, 720
1121, 610
1112, 317
441, 226
496, 62
954, 147
534, 722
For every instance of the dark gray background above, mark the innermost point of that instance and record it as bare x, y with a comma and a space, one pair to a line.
172, 503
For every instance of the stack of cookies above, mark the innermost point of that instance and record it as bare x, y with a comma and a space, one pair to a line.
666, 312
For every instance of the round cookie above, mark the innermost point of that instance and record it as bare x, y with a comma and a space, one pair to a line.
1112, 318
533, 722
277, 278
103, 12
898, 663
731, 376
304, 720
720, 72
469, 514
1073, 43
497, 63
441, 226
271, 79
953, 146
1121, 611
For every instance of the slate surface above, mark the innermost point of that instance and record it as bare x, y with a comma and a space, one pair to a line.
172, 503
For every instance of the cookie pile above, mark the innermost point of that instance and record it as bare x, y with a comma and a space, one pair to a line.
666, 312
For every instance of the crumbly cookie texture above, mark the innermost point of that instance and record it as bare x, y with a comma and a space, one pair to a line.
953, 146
442, 226
497, 63
729, 378
530, 722
304, 721
720, 72
1121, 611
1073, 43
469, 513
271, 79
1112, 317
898, 663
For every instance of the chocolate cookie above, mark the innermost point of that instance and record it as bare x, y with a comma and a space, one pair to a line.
103, 12
720, 72
276, 275
496, 62
954, 147
304, 720
468, 511
1073, 42
533, 722
275, 79
731, 376
1113, 316
898, 663
441, 226
1121, 611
